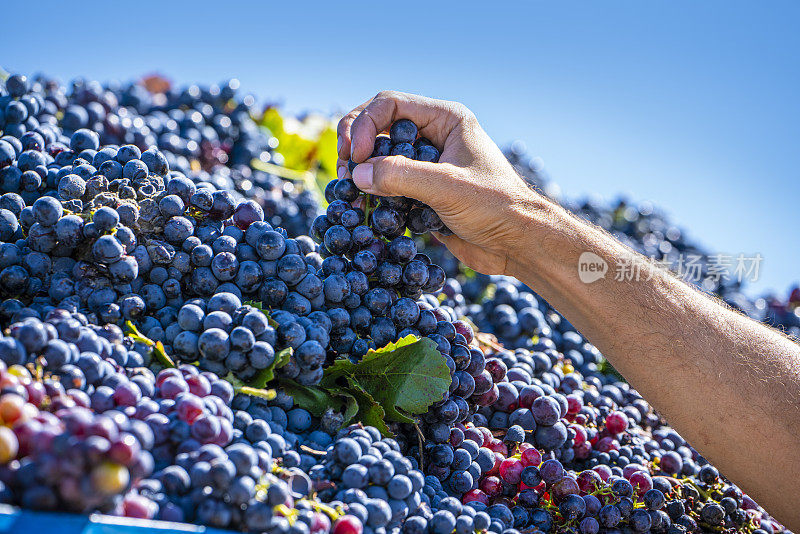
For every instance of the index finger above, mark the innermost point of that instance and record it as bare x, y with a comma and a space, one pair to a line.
436, 119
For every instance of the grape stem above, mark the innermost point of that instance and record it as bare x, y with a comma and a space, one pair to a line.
367, 207
421, 441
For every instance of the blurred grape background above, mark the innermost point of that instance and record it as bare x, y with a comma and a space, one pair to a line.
691, 105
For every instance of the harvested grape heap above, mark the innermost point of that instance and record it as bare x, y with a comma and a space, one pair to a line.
174, 347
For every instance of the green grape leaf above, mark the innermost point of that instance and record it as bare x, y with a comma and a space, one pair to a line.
317, 399
264, 376
161, 355
404, 378
350, 400
369, 411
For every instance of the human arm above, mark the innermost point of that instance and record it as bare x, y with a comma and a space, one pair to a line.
730, 385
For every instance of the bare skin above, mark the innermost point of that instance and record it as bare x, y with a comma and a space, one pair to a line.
728, 384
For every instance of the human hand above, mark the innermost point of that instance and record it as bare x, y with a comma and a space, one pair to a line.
472, 188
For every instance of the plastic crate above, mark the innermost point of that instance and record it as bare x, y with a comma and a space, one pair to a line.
16, 521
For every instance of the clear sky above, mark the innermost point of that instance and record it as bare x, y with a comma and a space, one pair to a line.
691, 105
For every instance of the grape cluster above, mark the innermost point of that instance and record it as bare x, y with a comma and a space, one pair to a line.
58, 452
392, 215
121, 242
524, 492
380, 485
101, 432
224, 336
381, 284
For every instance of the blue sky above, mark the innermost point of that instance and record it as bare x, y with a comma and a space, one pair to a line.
691, 105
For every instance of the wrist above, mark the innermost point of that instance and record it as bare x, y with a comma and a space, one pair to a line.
539, 225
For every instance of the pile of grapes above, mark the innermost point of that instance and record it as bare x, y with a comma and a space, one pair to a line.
149, 272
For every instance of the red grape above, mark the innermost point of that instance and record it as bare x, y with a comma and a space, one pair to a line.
588, 480
607, 444
531, 457
488, 398
320, 524
574, 404
124, 450
475, 495
616, 422
491, 486
566, 486
189, 408
138, 507
199, 385
497, 369
172, 387
580, 434
347, 524
641, 482
603, 470
511, 470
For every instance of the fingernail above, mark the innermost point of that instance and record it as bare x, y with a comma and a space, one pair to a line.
340, 171
362, 176
338, 144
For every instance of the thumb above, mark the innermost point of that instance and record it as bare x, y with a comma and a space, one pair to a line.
396, 176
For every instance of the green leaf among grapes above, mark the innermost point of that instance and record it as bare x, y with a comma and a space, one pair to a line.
369, 411
404, 378
161, 355
317, 399
327, 154
264, 376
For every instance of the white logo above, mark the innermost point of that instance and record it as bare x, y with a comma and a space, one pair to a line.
591, 267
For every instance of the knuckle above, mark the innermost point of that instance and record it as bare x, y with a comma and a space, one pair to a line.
341, 127
387, 94
345, 121
463, 112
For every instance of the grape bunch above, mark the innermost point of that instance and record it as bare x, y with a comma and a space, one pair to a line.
526, 491
118, 244
369, 473
124, 440
224, 337
393, 215
56, 452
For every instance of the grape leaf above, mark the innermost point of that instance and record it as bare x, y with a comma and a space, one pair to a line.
404, 378
351, 400
317, 399
265, 375
369, 411
308, 148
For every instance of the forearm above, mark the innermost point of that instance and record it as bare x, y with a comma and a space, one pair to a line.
730, 385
